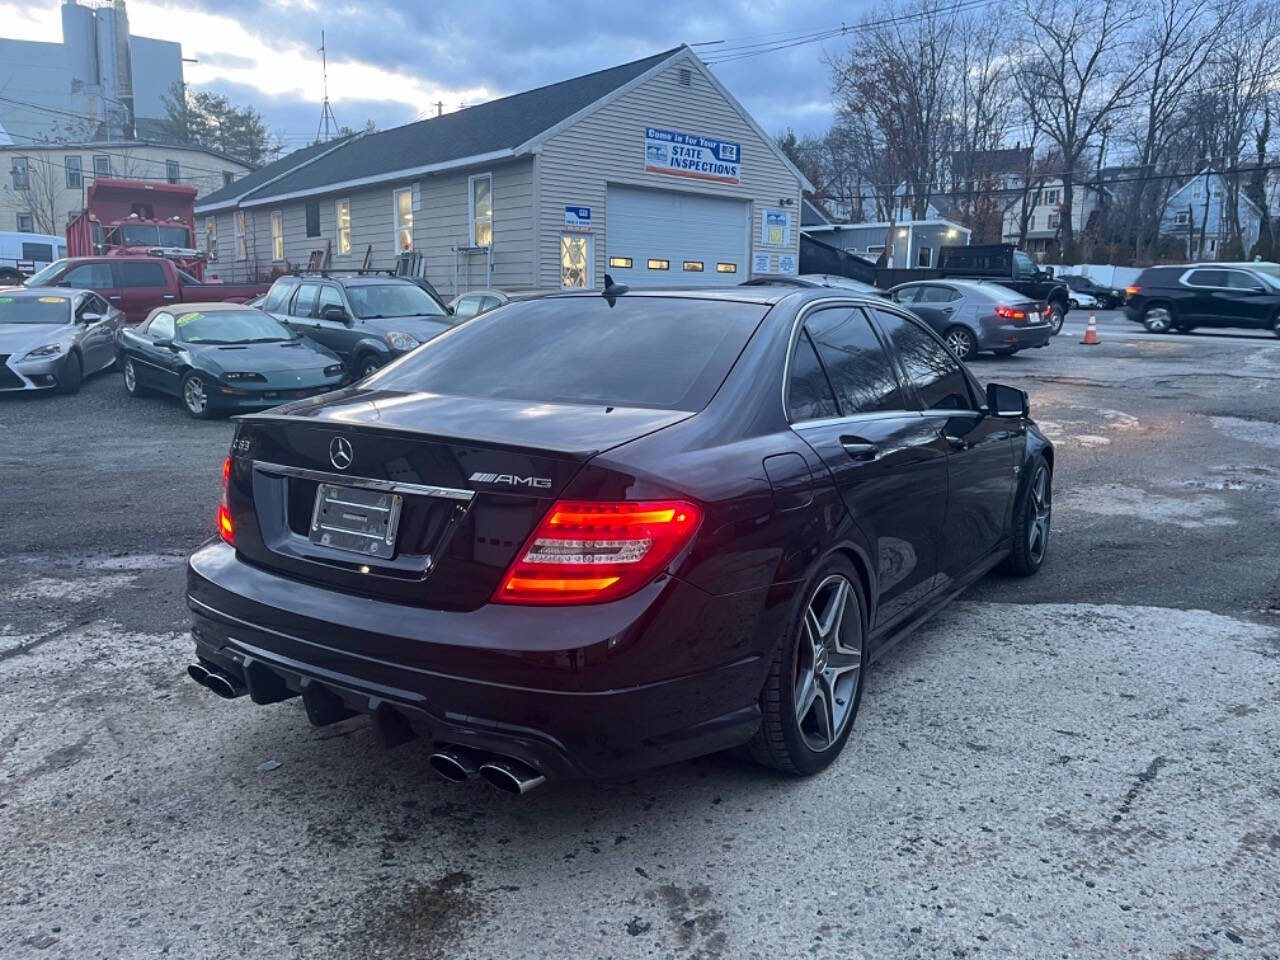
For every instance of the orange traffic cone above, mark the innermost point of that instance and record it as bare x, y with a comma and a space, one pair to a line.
1091, 331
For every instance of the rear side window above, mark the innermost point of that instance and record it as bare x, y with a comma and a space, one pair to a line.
855, 361
906, 295
660, 352
809, 393
932, 370
279, 295
90, 276
1207, 278
937, 295
133, 274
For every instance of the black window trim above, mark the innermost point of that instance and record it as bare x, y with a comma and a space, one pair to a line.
976, 393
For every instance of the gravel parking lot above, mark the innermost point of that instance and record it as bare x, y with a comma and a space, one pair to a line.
1082, 764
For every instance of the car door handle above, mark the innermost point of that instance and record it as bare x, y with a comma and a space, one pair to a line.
956, 443
948, 310
859, 449
113, 298
169, 296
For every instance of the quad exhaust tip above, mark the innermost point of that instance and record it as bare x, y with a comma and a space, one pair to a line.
455, 764
220, 683
511, 776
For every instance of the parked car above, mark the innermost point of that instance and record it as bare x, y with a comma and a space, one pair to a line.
137, 285
54, 340
1078, 298
807, 280
1106, 298
223, 357
22, 254
973, 316
471, 304
366, 319
557, 547
1178, 299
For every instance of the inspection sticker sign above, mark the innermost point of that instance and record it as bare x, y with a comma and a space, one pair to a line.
679, 154
577, 218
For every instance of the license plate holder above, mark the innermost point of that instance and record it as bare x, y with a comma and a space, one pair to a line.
356, 520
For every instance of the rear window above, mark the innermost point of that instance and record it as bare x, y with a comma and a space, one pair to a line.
658, 352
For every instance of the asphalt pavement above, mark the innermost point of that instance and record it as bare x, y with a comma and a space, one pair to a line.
1083, 764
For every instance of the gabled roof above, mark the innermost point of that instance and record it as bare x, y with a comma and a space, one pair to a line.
263, 176
812, 215
486, 131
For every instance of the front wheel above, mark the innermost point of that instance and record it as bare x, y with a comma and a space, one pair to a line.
1056, 314
367, 367
1031, 523
962, 341
1157, 320
195, 396
72, 374
814, 685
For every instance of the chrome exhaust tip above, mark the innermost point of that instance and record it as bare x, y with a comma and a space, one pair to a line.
220, 683
511, 776
455, 764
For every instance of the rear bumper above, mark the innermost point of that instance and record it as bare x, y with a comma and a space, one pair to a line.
1023, 338
519, 682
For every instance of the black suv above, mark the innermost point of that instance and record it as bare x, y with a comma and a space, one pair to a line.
366, 319
1203, 295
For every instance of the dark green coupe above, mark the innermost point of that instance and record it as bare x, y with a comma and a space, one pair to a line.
223, 358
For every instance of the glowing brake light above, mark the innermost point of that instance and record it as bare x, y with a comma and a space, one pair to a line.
1133, 291
1010, 313
593, 551
225, 528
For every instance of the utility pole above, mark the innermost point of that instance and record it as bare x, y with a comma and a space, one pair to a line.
326, 111
439, 108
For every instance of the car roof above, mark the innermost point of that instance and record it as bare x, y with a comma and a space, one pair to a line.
756, 294
359, 279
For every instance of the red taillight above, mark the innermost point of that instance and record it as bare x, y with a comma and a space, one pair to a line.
1011, 313
1133, 291
225, 528
589, 552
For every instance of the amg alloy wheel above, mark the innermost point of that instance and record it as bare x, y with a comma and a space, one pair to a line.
1157, 320
1031, 522
962, 341
815, 683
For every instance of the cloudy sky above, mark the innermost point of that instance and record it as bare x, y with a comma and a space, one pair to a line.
391, 65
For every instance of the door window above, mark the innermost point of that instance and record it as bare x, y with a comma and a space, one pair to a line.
90, 276
906, 295
937, 376
1239, 280
304, 300
329, 297
279, 295
1207, 278
809, 392
937, 294
467, 307
138, 274
575, 261
161, 327
855, 361
94, 304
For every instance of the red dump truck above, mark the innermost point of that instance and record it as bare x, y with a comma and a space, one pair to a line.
136, 218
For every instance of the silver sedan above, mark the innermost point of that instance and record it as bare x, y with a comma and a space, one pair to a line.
51, 339
976, 315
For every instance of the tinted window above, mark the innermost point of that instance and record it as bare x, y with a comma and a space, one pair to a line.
91, 276
1239, 280
313, 219
937, 295
304, 300
1207, 278
278, 296
809, 395
660, 352
934, 372
855, 360
161, 327
906, 294
135, 274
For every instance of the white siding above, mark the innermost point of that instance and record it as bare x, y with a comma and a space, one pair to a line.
608, 147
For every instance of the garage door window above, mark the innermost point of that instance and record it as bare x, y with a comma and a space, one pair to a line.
726, 268
693, 266
575, 261
659, 264
621, 262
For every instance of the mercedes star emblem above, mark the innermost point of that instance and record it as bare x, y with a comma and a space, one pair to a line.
340, 452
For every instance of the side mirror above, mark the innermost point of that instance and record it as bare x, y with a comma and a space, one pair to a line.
335, 313
1005, 401
90, 317
166, 342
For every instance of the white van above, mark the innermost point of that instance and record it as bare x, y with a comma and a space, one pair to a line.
22, 254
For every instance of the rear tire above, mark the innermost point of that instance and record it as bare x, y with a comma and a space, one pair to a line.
72, 374
823, 661
1157, 320
962, 341
1057, 317
1074, 304
1275, 326
131, 385
1031, 521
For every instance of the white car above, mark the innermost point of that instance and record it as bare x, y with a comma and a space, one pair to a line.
1079, 300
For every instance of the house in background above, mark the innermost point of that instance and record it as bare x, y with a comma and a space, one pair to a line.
1200, 204
915, 242
1044, 224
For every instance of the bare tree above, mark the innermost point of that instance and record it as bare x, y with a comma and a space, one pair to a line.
42, 194
1078, 70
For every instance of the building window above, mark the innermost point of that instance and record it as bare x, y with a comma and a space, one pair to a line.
655, 264
101, 166
877, 250
26, 223
403, 204
1196, 192
1031, 222
277, 235
75, 172
1054, 221
693, 266
575, 261
228, 178
623, 262
242, 248
924, 257
344, 226
1213, 245
211, 238
1217, 193
481, 187
172, 173
726, 268
1051, 196
313, 219
72, 214
1181, 219
21, 174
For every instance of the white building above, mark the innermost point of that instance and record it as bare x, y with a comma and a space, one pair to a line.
1044, 224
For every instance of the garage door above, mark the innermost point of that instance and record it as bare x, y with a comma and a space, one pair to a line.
664, 238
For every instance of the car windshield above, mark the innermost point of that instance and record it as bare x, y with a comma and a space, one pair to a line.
370, 301
34, 309
666, 353
231, 326
42, 278
1273, 282
149, 234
